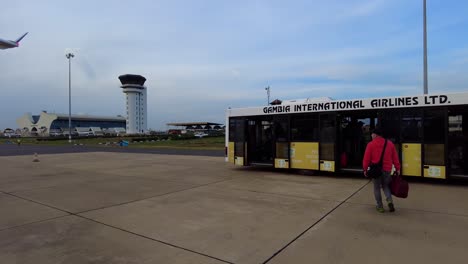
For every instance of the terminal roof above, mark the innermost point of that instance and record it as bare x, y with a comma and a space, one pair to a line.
90, 117
193, 124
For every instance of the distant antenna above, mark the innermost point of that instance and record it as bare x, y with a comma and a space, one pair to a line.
268, 94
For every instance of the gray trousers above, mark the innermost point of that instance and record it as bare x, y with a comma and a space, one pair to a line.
384, 182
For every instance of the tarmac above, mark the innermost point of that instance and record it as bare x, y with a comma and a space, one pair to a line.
115, 207
26, 149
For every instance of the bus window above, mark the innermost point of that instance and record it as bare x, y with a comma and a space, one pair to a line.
240, 130
411, 126
327, 137
434, 137
327, 128
327, 151
237, 135
281, 132
434, 126
239, 149
434, 143
389, 122
282, 150
232, 129
281, 129
434, 154
458, 141
304, 128
236, 129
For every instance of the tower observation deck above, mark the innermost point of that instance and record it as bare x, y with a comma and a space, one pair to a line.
136, 102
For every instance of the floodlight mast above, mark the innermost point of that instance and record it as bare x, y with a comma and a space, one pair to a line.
69, 57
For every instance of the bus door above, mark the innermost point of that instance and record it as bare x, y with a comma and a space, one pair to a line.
304, 146
411, 141
237, 144
435, 123
458, 142
354, 134
327, 142
281, 139
260, 141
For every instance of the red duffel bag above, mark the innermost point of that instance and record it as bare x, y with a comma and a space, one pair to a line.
399, 187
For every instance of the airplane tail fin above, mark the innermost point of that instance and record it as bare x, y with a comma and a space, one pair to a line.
18, 40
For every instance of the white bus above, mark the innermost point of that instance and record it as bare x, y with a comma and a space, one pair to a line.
429, 131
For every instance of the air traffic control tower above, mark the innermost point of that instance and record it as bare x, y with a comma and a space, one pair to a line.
135, 91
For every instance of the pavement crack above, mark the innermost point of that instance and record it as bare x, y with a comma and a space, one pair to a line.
314, 224
34, 222
127, 231
156, 240
43, 204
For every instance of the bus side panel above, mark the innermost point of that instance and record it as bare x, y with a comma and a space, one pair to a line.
282, 163
411, 160
434, 161
434, 172
327, 165
231, 152
327, 154
240, 160
305, 155
282, 157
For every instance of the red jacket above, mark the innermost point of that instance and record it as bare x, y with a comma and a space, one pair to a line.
374, 150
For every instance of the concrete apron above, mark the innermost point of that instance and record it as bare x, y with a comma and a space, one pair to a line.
139, 208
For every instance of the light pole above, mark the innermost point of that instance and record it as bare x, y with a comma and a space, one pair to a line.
268, 94
425, 48
69, 57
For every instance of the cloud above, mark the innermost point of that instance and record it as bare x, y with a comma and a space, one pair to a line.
366, 8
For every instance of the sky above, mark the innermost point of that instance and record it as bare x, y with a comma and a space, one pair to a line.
201, 57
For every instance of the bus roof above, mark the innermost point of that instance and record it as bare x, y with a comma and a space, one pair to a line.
354, 104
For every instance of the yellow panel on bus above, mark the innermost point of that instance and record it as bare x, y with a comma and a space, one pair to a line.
231, 152
327, 165
411, 160
434, 172
282, 163
305, 155
239, 161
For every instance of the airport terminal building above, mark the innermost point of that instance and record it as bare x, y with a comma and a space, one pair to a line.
53, 124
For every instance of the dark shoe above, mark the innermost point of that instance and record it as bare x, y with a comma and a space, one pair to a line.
391, 207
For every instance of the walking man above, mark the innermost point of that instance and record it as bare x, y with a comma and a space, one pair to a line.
390, 157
